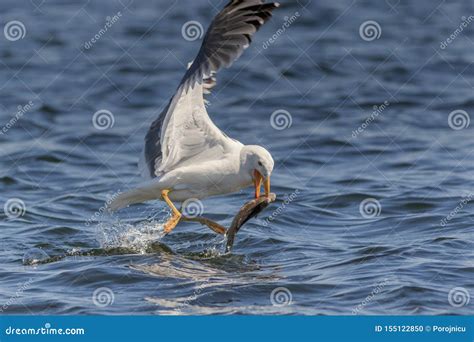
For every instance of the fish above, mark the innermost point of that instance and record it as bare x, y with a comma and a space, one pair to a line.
249, 210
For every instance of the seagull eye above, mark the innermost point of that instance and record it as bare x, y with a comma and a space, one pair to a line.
260, 163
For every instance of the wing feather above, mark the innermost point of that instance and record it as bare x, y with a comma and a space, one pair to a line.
184, 131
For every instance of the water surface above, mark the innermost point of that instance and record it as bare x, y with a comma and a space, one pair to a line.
403, 253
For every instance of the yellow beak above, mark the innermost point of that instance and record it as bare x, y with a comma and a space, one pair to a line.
266, 186
257, 181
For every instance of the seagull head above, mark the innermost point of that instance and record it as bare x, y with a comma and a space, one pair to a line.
259, 163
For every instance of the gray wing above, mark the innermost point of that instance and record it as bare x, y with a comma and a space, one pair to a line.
227, 37
151, 157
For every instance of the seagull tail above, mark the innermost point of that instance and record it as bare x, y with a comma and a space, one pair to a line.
132, 197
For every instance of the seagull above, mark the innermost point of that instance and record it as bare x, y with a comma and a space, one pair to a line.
186, 156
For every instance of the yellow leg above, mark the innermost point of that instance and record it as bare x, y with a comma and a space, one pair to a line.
173, 221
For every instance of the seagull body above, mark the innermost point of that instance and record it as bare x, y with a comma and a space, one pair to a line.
186, 155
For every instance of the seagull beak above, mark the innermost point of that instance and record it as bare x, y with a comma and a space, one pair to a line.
267, 186
257, 182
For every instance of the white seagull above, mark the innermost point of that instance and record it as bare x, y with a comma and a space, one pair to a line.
185, 155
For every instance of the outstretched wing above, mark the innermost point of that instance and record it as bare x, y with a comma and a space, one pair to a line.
228, 36
184, 132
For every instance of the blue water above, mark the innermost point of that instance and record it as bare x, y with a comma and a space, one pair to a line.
374, 211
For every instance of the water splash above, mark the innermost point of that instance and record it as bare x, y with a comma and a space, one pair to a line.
137, 236
35, 256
